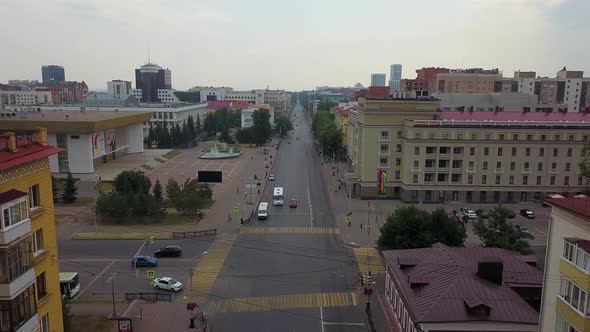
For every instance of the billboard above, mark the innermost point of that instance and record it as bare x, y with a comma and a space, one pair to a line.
109, 140
209, 176
98, 149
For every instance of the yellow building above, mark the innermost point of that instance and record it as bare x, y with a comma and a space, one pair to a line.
341, 118
30, 298
565, 304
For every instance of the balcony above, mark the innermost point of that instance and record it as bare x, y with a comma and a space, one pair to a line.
384, 139
415, 169
471, 170
443, 169
554, 171
526, 171
457, 156
431, 155
17, 284
383, 153
14, 232
428, 181
429, 169
30, 325
499, 171
383, 166
456, 170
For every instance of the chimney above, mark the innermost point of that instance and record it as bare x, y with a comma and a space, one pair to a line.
40, 136
10, 142
491, 269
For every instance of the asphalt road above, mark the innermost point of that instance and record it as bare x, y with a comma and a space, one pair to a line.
277, 265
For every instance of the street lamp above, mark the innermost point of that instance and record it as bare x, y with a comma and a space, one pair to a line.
111, 281
151, 241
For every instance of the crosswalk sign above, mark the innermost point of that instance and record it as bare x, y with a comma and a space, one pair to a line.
348, 219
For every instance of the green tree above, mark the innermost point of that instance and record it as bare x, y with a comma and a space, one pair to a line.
409, 227
226, 137
192, 133
209, 125
244, 135
150, 137
54, 189
585, 163
261, 128
189, 199
283, 125
70, 192
172, 189
198, 124
498, 233
157, 190
132, 182
328, 134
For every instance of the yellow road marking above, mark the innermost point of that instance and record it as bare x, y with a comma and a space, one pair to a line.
368, 259
292, 230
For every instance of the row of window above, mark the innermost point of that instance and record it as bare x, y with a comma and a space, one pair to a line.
486, 151
18, 211
576, 255
163, 115
444, 163
490, 136
456, 178
562, 326
574, 295
394, 298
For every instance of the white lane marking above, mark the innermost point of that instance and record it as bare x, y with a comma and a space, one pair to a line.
96, 278
309, 196
343, 323
322, 318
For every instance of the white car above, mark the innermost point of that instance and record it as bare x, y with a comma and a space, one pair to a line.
271, 177
167, 283
470, 214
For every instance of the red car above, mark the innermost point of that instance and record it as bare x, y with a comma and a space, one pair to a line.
293, 203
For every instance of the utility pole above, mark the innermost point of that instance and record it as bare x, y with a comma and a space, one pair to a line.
111, 281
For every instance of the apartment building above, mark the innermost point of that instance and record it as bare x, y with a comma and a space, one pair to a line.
432, 156
473, 80
341, 112
462, 289
566, 281
377, 80
25, 98
278, 99
30, 298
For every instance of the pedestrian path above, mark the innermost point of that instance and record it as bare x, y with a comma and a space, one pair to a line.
368, 259
205, 273
283, 302
300, 230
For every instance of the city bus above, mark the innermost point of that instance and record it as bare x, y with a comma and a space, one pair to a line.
277, 196
69, 284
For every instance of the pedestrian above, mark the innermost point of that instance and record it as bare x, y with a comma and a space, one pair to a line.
255, 178
361, 225
237, 189
349, 224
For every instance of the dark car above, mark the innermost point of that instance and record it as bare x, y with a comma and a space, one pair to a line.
169, 251
144, 261
527, 213
511, 214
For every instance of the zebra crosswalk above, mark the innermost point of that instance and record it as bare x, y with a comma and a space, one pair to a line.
300, 230
283, 302
368, 259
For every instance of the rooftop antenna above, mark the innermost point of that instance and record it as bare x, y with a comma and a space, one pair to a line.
148, 51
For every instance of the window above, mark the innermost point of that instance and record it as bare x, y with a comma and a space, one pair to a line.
500, 151
484, 179
514, 152
553, 165
416, 150
416, 163
498, 164
556, 137
418, 135
41, 286
512, 165
573, 294
15, 312
45, 323
38, 242
384, 134
539, 179
34, 196
525, 179
585, 138
552, 180
580, 180
568, 167
515, 137
527, 152
571, 138
486, 151
488, 137
469, 179
398, 161
399, 134
498, 178
511, 179
501, 137
526, 165
539, 166
541, 152
459, 136
566, 180
455, 178
473, 137
472, 151
485, 165
569, 152
14, 214
563, 326
471, 164
384, 148
415, 178
383, 161
529, 137
555, 153
398, 148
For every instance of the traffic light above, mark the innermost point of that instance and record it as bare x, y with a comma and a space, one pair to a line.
363, 279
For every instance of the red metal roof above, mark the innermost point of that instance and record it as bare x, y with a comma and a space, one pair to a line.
11, 195
26, 154
514, 116
228, 104
452, 277
580, 207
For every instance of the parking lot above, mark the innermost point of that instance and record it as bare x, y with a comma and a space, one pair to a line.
97, 261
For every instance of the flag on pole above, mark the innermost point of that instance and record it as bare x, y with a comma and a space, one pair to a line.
381, 180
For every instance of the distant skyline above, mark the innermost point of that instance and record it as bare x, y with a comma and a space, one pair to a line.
288, 45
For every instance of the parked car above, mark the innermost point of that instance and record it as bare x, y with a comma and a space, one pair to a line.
144, 261
511, 214
271, 177
522, 228
527, 214
168, 251
167, 283
293, 203
483, 213
470, 214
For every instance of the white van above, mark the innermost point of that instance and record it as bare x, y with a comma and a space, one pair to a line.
263, 210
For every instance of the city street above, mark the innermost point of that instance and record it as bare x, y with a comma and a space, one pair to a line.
291, 272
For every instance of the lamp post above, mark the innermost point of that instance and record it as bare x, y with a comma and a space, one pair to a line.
150, 240
111, 281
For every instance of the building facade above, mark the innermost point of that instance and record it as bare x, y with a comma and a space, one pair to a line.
407, 85
119, 88
52, 74
566, 289
25, 98
462, 289
432, 156
151, 77
428, 74
30, 298
378, 80
395, 77
341, 112
490, 102
473, 80
246, 115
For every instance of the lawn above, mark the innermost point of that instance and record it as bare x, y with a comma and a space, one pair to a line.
80, 201
171, 154
92, 323
104, 187
120, 236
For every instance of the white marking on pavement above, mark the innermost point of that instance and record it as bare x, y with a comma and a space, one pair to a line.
96, 278
343, 323
540, 231
322, 318
309, 195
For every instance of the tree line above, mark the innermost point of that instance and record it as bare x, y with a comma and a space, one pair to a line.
174, 137
327, 133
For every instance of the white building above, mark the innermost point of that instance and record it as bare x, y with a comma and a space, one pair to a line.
167, 96
487, 102
377, 80
138, 94
25, 97
395, 77
119, 88
280, 100
247, 121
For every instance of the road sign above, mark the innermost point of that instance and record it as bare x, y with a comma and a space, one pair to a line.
348, 219
151, 273
191, 306
236, 209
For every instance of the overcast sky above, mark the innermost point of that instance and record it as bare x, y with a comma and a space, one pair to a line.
297, 44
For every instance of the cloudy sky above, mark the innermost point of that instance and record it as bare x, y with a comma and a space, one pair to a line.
295, 44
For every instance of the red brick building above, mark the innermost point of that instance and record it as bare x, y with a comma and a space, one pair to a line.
428, 74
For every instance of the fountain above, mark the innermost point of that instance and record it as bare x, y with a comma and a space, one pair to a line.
221, 151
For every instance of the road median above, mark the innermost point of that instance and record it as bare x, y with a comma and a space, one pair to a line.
121, 236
